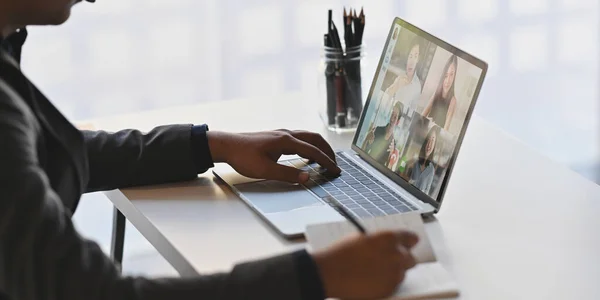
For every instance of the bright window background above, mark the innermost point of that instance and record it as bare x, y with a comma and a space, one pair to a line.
120, 56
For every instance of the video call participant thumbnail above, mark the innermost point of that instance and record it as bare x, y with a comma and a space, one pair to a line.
379, 142
407, 85
442, 105
421, 171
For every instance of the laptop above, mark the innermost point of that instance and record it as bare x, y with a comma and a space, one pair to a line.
402, 154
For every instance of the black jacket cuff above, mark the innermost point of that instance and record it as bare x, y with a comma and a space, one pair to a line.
311, 287
200, 150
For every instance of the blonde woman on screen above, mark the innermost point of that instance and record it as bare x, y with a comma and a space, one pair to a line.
406, 88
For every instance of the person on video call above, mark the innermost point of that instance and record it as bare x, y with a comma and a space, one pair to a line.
46, 164
406, 88
422, 170
442, 105
380, 140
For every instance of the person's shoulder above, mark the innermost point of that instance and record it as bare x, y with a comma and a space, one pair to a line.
9, 75
8, 95
12, 104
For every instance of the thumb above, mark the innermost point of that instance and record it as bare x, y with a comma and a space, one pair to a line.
286, 173
407, 239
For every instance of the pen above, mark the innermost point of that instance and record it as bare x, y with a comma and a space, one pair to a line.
332, 31
336, 38
340, 116
347, 215
362, 18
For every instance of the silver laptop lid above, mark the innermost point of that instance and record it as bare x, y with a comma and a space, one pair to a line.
418, 109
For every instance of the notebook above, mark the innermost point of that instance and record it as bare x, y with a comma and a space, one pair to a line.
427, 280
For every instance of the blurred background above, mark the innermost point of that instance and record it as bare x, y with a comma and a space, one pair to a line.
120, 56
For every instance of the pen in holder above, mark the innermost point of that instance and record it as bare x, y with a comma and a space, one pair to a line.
342, 88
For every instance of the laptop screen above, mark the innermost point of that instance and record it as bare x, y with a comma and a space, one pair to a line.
420, 102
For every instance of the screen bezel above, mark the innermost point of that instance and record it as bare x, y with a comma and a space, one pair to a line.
389, 173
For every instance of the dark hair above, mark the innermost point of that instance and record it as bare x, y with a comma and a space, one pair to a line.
423, 159
439, 93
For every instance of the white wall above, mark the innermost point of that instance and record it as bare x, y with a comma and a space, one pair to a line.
120, 56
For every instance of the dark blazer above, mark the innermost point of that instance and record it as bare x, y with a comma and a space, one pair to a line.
45, 166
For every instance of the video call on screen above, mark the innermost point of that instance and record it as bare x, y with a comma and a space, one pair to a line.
417, 110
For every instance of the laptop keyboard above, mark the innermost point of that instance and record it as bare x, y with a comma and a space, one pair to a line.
357, 190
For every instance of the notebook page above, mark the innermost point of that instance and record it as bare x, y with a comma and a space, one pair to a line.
427, 281
321, 236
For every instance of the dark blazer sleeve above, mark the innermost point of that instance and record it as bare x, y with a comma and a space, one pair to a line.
130, 158
42, 256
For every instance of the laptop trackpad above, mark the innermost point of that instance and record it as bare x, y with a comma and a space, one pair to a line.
270, 196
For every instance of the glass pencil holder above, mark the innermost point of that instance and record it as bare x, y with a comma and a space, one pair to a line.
341, 92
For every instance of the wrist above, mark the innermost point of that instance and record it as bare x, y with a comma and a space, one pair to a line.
217, 143
309, 279
322, 262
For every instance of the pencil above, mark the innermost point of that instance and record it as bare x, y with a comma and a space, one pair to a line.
347, 30
357, 26
336, 38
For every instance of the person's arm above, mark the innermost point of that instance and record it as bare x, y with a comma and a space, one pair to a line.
130, 158
390, 149
393, 88
43, 257
450, 113
428, 108
370, 138
180, 152
364, 145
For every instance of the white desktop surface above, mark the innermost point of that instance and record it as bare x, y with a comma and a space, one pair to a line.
513, 225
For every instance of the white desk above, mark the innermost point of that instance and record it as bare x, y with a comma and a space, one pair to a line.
514, 225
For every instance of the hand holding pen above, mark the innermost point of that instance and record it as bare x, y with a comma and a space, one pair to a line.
385, 258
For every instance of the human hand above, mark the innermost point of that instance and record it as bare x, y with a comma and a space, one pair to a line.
256, 154
402, 80
391, 157
366, 266
371, 136
392, 146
